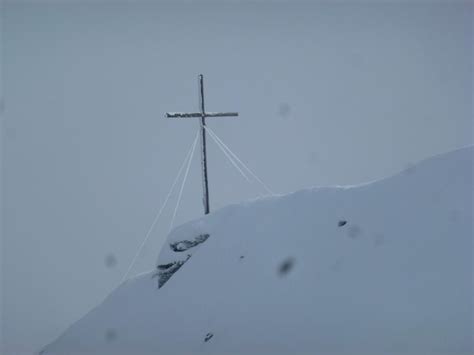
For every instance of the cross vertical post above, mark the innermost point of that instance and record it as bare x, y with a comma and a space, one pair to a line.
205, 183
202, 114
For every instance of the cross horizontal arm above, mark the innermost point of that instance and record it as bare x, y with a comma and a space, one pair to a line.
182, 114
221, 114
199, 114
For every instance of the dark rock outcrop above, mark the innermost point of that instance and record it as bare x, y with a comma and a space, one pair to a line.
186, 244
165, 271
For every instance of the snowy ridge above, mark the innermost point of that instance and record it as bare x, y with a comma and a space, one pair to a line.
381, 268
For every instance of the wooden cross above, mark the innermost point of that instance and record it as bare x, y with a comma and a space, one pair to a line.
202, 115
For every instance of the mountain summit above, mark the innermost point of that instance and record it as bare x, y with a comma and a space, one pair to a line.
379, 269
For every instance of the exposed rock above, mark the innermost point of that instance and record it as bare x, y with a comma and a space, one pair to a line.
165, 271
208, 337
187, 244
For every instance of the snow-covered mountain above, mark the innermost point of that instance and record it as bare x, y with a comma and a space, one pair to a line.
381, 268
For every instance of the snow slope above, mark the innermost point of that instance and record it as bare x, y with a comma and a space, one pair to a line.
382, 268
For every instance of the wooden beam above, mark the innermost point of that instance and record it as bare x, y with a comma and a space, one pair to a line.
198, 114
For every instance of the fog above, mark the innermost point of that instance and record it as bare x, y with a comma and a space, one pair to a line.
327, 94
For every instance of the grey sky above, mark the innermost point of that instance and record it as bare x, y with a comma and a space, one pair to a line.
327, 94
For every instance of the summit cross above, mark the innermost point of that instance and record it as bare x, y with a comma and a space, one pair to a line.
202, 115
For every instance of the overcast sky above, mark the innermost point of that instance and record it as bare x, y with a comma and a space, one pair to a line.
327, 94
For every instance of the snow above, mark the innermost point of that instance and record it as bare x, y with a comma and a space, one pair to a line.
285, 275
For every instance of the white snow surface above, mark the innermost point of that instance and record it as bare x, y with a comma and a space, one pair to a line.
280, 276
